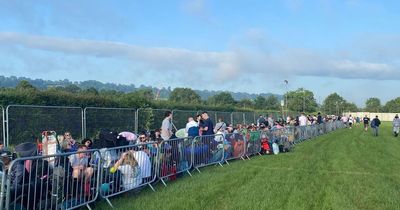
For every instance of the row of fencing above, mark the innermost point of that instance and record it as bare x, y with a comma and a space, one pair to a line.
21, 123
72, 180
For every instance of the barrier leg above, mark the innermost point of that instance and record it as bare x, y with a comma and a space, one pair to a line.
151, 186
197, 169
109, 202
189, 173
87, 206
242, 158
226, 161
162, 180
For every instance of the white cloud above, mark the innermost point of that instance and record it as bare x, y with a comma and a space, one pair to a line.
219, 66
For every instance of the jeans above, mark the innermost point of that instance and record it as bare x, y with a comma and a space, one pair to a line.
375, 131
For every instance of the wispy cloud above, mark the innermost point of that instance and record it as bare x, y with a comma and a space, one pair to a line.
219, 66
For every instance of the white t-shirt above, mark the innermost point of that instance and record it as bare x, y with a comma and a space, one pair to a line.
130, 176
303, 120
166, 128
144, 163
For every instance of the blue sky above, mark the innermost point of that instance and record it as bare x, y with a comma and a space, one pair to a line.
351, 47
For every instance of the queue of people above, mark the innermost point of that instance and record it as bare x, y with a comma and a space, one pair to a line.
128, 160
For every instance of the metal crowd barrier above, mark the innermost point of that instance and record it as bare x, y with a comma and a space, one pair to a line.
127, 168
174, 157
77, 179
208, 150
253, 143
235, 146
32, 183
3, 175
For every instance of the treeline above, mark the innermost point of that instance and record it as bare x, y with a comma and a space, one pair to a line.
180, 98
186, 99
163, 93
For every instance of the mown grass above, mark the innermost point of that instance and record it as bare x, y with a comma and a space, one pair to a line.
346, 169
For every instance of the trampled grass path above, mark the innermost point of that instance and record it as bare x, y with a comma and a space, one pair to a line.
346, 169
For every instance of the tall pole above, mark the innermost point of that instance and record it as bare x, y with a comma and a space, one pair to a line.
286, 96
304, 100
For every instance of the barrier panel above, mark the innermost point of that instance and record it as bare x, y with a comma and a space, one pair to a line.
249, 118
150, 119
127, 168
180, 117
34, 183
235, 146
226, 117
2, 127
3, 175
175, 157
115, 119
208, 150
253, 143
238, 118
26, 123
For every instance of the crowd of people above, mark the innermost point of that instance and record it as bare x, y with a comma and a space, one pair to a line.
73, 165
375, 123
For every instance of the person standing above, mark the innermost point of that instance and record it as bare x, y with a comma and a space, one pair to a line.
366, 122
396, 125
208, 125
375, 123
303, 124
166, 126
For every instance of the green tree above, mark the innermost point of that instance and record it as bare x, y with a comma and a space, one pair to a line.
25, 85
352, 107
301, 100
245, 103
373, 105
260, 102
333, 103
72, 88
184, 95
393, 105
223, 98
272, 103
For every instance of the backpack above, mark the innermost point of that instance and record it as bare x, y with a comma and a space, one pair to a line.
109, 138
373, 123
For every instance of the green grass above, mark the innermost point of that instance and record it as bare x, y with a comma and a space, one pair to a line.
346, 169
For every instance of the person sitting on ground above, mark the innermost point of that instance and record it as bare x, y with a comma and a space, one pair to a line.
73, 144
396, 125
88, 143
156, 136
81, 169
130, 170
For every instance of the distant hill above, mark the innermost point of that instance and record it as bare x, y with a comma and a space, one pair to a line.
10, 82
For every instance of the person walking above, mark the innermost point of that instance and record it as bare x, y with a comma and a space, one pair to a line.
396, 125
375, 123
366, 122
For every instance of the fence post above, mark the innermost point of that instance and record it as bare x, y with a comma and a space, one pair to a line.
7, 127
3, 126
84, 123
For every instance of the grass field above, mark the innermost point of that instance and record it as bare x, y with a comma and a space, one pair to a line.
346, 169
